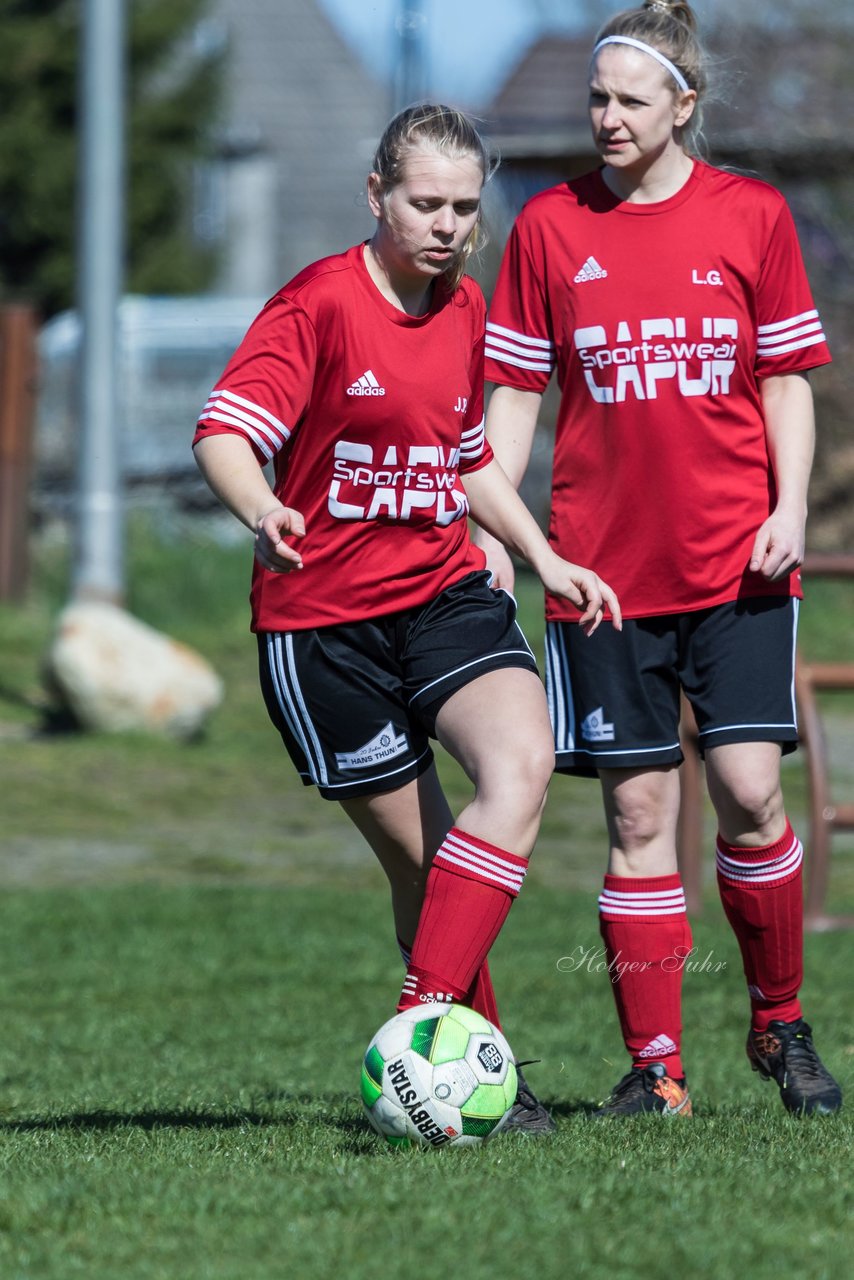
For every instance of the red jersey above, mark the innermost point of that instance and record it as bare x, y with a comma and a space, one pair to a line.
369, 416
660, 320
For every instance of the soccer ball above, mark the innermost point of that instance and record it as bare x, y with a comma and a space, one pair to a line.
438, 1075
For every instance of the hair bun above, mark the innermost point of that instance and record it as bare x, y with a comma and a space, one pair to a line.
677, 9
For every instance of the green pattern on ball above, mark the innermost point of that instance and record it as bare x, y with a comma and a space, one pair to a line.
468, 1018
374, 1065
451, 1041
422, 1036
488, 1100
475, 1128
370, 1090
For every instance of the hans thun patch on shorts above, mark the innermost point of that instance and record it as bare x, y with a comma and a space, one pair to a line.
383, 746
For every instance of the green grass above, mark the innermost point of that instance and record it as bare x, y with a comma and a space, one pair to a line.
179, 1074
195, 950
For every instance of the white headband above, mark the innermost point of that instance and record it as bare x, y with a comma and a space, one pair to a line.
653, 53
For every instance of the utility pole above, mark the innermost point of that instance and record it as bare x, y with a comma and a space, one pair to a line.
410, 79
106, 669
98, 572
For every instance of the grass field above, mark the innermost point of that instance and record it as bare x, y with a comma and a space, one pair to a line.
195, 950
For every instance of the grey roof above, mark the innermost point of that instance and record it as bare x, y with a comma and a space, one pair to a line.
774, 96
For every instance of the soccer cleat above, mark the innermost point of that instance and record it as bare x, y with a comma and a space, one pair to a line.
648, 1089
785, 1053
527, 1115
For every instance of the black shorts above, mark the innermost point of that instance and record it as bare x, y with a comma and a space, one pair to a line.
614, 696
356, 704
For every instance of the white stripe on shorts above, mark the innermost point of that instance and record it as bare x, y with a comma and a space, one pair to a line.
487, 657
559, 689
292, 704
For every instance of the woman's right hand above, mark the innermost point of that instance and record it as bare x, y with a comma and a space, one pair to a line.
271, 550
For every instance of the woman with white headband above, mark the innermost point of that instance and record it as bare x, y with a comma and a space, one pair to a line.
670, 299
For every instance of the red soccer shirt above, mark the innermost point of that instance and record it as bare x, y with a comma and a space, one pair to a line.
660, 319
369, 415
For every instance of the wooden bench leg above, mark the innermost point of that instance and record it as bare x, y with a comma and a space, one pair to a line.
821, 810
818, 836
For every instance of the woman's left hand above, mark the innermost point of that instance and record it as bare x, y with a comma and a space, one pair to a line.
585, 589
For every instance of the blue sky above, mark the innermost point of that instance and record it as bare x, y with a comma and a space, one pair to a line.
469, 45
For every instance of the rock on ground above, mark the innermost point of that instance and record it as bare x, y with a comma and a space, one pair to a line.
115, 674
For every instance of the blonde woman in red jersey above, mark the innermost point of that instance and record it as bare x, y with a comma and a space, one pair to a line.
671, 300
362, 381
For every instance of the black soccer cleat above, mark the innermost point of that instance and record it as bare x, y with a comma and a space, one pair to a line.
646, 1089
786, 1054
527, 1115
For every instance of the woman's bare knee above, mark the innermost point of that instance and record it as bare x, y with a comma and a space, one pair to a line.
744, 787
641, 808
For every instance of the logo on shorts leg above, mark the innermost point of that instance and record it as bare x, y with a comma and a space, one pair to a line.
384, 746
594, 727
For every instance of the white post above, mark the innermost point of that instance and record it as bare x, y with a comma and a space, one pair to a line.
410, 78
99, 569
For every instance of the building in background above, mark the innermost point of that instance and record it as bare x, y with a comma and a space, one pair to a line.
301, 117
298, 122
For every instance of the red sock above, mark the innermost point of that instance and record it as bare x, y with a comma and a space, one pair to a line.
470, 888
762, 896
480, 995
647, 940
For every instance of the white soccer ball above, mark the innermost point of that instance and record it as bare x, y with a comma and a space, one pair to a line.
438, 1075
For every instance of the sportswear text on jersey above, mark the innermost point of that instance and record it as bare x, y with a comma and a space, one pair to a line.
417, 484
657, 350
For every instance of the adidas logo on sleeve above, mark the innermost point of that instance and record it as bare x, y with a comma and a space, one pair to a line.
590, 271
367, 385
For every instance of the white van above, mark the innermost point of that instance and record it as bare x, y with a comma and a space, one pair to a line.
171, 351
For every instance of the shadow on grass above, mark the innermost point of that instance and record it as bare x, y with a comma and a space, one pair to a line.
573, 1107
104, 1120
49, 720
297, 1107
